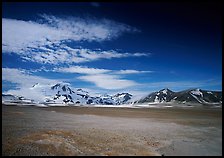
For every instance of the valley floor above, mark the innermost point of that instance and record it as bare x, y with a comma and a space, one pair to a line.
111, 131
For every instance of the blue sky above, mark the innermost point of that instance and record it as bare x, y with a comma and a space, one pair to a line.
112, 47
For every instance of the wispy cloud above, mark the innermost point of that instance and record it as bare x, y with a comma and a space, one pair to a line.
66, 54
106, 81
132, 72
45, 40
81, 70
24, 78
88, 70
90, 29
54, 29
25, 81
102, 78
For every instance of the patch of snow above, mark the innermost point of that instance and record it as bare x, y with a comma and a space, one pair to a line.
195, 98
41, 105
168, 106
164, 91
156, 99
151, 103
101, 105
142, 105
197, 92
152, 106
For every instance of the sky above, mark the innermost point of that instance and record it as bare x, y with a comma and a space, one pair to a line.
112, 47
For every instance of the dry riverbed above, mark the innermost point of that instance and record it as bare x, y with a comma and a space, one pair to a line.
111, 131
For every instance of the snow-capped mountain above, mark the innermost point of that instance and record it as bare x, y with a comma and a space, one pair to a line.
199, 96
8, 98
164, 95
186, 96
62, 93
122, 98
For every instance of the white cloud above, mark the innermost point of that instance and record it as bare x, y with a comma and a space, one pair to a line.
141, 54
102, 78
24, 82
19, 35
88, 70
106, 81
82, 70
88, 28
65, 54
45, 41
23, 78
132, 72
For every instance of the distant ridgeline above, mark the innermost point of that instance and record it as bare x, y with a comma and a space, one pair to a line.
186, 96
63, 94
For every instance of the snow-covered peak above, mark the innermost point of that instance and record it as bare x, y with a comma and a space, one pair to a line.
164, 91
209, 92
81, 91
120, 95
60, 85
62, 88
105, 95
197, 92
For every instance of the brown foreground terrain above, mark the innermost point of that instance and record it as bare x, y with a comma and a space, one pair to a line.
111, 131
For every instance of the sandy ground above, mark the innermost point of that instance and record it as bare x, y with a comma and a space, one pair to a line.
111, 131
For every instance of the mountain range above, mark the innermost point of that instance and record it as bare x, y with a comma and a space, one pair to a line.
61, 93
186, 96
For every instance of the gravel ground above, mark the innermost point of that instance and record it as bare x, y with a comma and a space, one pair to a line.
111, 131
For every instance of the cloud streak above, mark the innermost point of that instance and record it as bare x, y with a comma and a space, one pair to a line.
125, 72
106, 81
65, 54
24, 82
103, 78
44, 41
82, 70
89, 29
24, 79
88, 70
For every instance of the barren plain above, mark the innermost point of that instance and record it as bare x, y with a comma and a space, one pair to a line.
29, 130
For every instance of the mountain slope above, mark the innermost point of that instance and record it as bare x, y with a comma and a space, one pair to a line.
163, 95
8, 98
62, 93
186, 96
